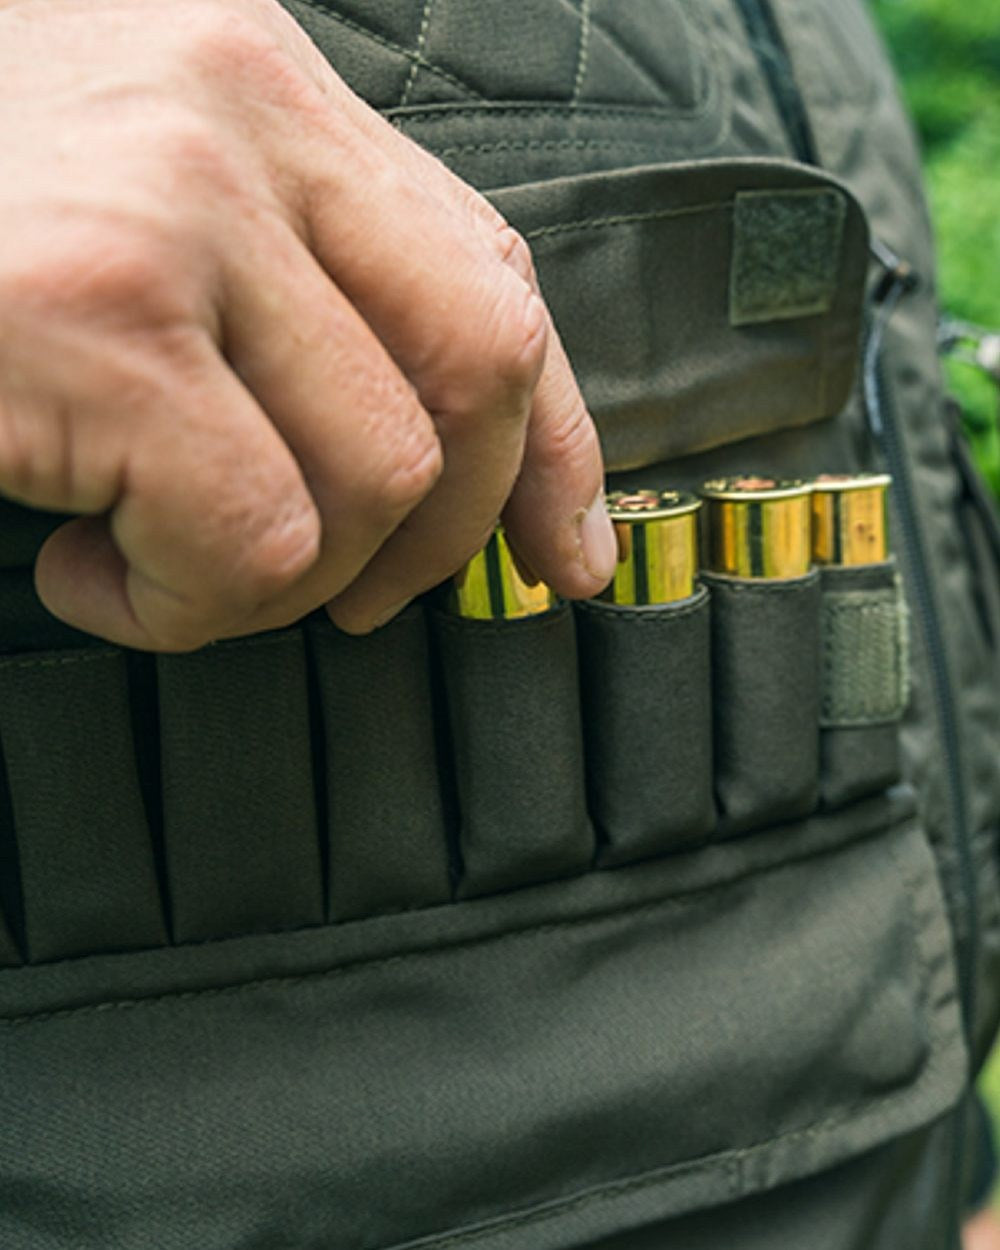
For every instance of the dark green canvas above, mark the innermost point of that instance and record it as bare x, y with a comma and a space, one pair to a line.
284, 967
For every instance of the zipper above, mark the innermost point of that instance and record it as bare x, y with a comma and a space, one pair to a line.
776, 65
884, 426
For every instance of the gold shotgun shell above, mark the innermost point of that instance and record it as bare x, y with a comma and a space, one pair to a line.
490, 587
757, 527
657, 546
850, 518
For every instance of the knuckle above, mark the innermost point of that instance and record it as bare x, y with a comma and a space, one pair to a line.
275, 559
513, 250
249, 50
404, 457
37, 460
411, 476
107, 272
223, 39
192, 150
517, 344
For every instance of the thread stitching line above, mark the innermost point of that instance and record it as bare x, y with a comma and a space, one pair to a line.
335, 16
583, 54
418, 56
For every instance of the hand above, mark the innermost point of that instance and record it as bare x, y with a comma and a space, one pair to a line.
270, 352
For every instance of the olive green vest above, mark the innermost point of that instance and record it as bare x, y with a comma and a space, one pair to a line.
598, 929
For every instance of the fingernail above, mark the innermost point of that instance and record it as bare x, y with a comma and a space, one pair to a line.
598, 544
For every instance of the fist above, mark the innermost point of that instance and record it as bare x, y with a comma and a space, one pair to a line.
266, 351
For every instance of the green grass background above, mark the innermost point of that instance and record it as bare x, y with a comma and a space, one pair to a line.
947, 53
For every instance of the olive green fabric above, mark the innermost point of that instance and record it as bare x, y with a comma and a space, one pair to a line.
645, 676
239, 811
766, 690
386, 843
516, 749
643, 270
754, 1042
787, 250
504, 1072
865, 646
85, 865
865, 676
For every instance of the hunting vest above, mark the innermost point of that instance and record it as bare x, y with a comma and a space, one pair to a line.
595, 929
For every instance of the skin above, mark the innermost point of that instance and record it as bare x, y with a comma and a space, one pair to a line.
982, 1232
270, 353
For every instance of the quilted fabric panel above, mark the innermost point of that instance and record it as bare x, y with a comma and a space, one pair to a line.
415, 53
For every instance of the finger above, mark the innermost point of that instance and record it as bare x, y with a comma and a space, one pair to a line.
469, 334
364, 443
556, 516
483, 447
212, 518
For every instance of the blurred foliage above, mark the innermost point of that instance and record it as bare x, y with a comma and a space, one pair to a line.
947, 53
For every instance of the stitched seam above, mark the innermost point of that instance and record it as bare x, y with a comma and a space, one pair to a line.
748, 586
551, 145
625, 219
84, 657
583, 52
392, 46
418, 57
694, 18
641, 72
430, 952
661, 614
634, 114
447, 112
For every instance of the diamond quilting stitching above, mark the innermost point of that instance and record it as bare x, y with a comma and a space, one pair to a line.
416, 57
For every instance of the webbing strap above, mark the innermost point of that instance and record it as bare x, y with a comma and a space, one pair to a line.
86, 856
388, 848
239, 810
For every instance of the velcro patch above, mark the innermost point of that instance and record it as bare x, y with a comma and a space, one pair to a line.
786, 254
865, 657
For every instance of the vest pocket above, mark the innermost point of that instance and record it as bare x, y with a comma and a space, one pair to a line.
517, 749
765, 672
374, 730
646, 689
76, 844
540, 1068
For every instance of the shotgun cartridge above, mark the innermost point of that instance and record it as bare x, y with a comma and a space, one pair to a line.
850, 518
657, 547
757, 527
491, 588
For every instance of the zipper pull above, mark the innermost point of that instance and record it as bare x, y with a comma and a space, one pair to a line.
898, 278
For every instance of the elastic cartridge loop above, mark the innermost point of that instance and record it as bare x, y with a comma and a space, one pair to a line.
757, 527
850, 518
657, 547
491, 588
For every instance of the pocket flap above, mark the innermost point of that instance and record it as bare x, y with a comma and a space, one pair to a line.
702, 302
538, 1069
